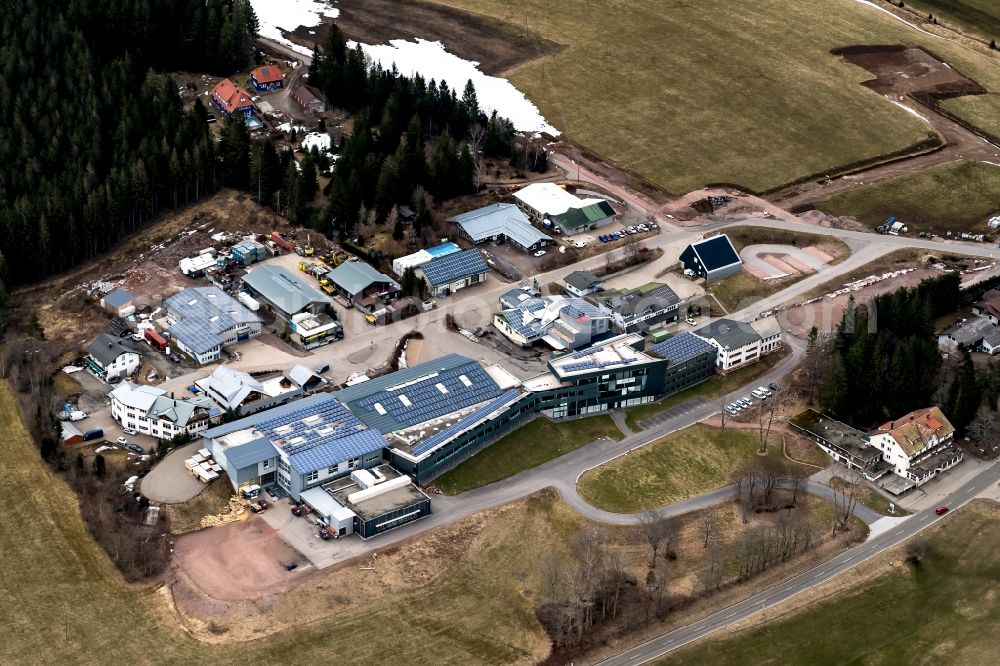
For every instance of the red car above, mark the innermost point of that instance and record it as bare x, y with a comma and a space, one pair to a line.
941, 510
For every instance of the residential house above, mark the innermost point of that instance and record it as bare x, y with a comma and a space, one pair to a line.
639, 309
206, 319
975, 334
582, 283
988, 306
548, 201
232, 389
517, 296
712, 258
499, 223
118, 302
363, 286
285, 293
267, 77
151, 411
918, 445
111, 358
738, 343
230, 98
308, 99
454, 272
562, 323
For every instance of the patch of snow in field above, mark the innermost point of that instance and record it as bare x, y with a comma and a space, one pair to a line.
316, 140
432, 61
909, 110
277, 15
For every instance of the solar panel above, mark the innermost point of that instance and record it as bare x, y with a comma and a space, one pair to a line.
453, 267
681, 347
462, 424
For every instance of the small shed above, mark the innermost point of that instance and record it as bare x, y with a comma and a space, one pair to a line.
308, 99
119, 302
70, 434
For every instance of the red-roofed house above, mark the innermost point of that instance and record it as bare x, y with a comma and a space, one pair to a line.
267, 77
918, 445
230, 98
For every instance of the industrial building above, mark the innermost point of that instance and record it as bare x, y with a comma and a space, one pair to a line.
118, 302
500, 223
363, 286
204, 320
421, 257
110, 358
283, 292
712, 258
296, 446
454, 272
641, 308
370, 502
738, 343
548, 201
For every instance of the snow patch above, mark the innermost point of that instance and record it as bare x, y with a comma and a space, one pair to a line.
432, 61
314, 139
275, 16
909, 110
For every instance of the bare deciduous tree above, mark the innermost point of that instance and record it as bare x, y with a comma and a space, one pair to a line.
654, 530
708, 525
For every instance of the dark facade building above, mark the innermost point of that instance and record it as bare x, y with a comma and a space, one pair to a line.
712, 258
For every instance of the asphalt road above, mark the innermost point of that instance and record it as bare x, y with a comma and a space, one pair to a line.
906, 529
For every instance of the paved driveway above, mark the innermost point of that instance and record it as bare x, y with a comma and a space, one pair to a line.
170, 482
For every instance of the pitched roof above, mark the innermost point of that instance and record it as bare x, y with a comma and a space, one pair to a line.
499, 219
627, 302
251, 453
716, 252
970, 331
157, 405
106, 348
587, 214
285, 290
356, 276
230, 387
304, 95
118, 298
913, 431
766, 326
420, 393
728, 334
136, 396
682, 347
268, 74
230, 96
204, 313
582, 280
453, 267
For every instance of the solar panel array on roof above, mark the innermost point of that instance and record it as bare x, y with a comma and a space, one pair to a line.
319, 435
682, 347
464, 423
378, 402
454, 267
716, 252
203, 313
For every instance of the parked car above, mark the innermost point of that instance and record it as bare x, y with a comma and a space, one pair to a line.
580, 244
690, 321
122, 441
603, 238
941, 510
130, 431
540, 253
772, 386
135, 448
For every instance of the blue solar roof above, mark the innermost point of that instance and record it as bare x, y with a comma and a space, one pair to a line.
442, 250
203, 313
414, 395
682, 347
453, 267
716, 252
465, 423
320, 435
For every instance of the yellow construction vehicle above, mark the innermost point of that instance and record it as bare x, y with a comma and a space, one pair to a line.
326, 286
307, 249
304, 266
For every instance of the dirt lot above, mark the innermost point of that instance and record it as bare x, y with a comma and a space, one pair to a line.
144, 264
904, 71
497, 45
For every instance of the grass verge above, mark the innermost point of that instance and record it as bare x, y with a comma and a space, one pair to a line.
529, 446
715, 387
186, 517
957, 196
869, 497
681, 465
945, 610
741, 290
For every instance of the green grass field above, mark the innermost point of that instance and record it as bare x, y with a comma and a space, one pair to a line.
978, 17
681, 465
947, 611
64, 603
741, 290
957, 196
529, 446
711, 389
686, 94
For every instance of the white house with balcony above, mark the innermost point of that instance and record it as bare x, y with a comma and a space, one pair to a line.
151, 411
